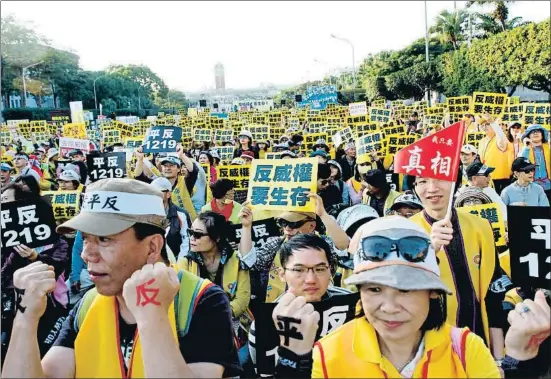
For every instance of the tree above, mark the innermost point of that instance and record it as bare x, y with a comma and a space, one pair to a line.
149, 82
449, 27
500, 12
487, 26
521, 56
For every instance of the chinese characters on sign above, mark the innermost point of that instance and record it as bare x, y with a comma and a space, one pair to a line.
283, 184
30, 222
530, 246
379, 115
66, 204
162, 139
68, 144
107, 165
492, 103
492, 213
537, 114
459, 105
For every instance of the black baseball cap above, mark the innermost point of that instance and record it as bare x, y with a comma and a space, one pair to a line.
523, 164
478, 169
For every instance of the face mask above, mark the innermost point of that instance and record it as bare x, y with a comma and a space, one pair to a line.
363, 169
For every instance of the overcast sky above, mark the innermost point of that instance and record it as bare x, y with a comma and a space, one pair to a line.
257, 42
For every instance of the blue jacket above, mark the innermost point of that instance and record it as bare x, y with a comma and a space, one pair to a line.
532, 194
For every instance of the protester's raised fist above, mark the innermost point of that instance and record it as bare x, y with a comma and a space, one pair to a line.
150, 290
530, 326
296, 322
246, 215
441, 234
32, 283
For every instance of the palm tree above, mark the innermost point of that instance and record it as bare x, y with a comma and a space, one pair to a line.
450, 26
500, 13
488, 26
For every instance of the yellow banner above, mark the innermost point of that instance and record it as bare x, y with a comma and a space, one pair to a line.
201, 135
492, 213
513, 113
74, 131
537, 114
363, 129
487, 102
239, 175
261, 133
282, 185
391, 130
474, 138
396, 143
369, 143
379, 115
311, 139
65, 204
222, 135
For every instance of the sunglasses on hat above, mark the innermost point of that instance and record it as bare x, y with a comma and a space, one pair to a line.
291, 225
378, 248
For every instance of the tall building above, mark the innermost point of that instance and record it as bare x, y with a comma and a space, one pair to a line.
219, 78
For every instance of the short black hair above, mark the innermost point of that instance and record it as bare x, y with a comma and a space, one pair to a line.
220, 187
438, 312
324, 171
142, 231
306, 241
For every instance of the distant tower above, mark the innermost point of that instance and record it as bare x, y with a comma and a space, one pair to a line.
219, 78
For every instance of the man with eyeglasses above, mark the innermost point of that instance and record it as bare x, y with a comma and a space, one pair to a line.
177, 239
265, 259
307, 268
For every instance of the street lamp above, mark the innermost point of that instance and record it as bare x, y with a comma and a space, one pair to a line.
427, 48
95, 97
353, 60
24, 83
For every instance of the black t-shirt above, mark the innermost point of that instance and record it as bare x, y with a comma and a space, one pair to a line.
209, 339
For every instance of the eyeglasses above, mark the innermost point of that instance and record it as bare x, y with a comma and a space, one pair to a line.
303, 271
292, 225
377, 248
195, 234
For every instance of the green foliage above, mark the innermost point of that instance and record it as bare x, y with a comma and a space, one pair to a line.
27, 113
449, 27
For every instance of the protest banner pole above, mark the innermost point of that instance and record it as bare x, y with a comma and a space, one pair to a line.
457, 157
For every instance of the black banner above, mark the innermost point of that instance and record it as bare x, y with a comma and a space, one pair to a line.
106, 165
261, 231
530, 245
162, 139
334, 312
30, 222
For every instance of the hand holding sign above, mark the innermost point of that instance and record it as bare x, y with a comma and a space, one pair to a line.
246, 215
32, 284
529, 328
296, 322
441, 234
150, 291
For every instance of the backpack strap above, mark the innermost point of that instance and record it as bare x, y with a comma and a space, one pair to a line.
192, 288
83, 307
459, 339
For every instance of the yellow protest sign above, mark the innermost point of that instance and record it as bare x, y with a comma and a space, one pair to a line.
111, 136
378, 103
360, 119
239, 175
282, 185
369, 143
430, 111
192, 112
537, 114
492, 213
398, 142
459, 105
391, 129
5, 136
473, 138
310, 141
363, 129
74, 130
225, 153
379, 115
222, 135
342, 137
276, 131
487, 102
65, 204
201, 135
513, 113
317, 127
260, 132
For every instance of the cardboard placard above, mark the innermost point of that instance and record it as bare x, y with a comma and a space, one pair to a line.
162, 139
282, 185
30, 222
66, 204
107, 165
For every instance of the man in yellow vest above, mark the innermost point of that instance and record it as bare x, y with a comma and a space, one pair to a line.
143, 319
378, 193
464, 245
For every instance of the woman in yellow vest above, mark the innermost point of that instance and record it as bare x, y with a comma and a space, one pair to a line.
401, 329
211, 257
223, 201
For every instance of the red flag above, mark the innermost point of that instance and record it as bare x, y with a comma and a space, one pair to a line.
435, 156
